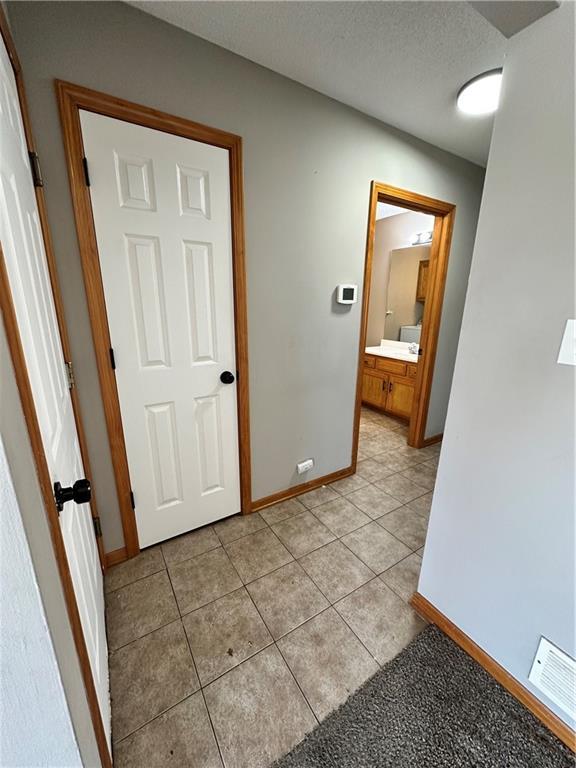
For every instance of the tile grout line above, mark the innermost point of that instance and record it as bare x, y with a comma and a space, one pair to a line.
384, 529
201, 688
239, 516
314, 715
244, 583
251, 656
275, 643
152, 719
134, 581
212, 728
352, 628
334, 608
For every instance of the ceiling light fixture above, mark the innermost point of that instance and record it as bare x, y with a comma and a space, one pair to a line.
480, 95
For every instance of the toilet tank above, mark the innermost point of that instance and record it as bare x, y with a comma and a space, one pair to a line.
410, 333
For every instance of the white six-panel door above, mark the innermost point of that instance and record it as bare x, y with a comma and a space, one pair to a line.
23, 249
161, 206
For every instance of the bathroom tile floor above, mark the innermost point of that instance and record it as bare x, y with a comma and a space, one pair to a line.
230, 643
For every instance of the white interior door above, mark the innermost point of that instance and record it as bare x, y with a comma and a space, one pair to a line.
23, 249
161, 207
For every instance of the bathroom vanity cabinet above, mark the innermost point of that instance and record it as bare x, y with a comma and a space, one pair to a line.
388, 384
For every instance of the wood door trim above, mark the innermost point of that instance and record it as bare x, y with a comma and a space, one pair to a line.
116, 556
433, 440
439, 252
53, 274
71, 99
558, 727
43, 474
33, 428
439, 255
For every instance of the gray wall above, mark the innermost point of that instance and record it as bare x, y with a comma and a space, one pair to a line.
44, 714
308, 166
499, 557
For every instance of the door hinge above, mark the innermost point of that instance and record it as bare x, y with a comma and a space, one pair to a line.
420, 351
112, 359
37, 179
70, 374
86, 174
132, 502
97, 527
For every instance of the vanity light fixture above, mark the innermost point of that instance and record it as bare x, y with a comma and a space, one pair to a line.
480, 95
421, 238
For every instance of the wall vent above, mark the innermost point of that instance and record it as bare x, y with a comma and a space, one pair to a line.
554, 673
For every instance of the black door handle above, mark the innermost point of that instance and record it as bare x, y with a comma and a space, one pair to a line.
80, 492
227, 377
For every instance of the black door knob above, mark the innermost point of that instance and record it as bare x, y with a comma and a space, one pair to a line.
80, 492
227, 377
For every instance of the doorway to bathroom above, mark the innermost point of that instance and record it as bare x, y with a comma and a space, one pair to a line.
407, 252
399, 280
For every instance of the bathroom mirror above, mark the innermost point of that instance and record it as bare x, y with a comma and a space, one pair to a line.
406, 293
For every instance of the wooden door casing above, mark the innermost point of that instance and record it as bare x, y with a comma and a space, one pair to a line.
71, 99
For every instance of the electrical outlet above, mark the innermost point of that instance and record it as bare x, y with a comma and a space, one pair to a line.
305, 466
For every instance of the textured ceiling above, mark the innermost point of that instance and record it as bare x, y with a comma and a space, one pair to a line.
401, 62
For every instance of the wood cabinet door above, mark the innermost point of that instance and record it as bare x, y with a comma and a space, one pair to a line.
374, 389
399, 397
422, 284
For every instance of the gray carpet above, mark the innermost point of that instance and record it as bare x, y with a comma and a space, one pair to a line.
431, 706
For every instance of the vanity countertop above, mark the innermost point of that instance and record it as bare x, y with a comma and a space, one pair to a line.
394, 351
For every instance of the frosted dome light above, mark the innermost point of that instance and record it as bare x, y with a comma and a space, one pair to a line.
480, 95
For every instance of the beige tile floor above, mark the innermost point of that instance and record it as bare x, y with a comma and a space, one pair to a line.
229, 644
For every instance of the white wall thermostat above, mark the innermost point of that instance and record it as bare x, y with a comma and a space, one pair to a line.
347, 294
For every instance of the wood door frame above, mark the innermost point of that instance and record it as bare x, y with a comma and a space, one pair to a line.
439, 254
71, 99
8, 313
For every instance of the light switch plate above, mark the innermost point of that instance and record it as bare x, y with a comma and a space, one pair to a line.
567, 354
